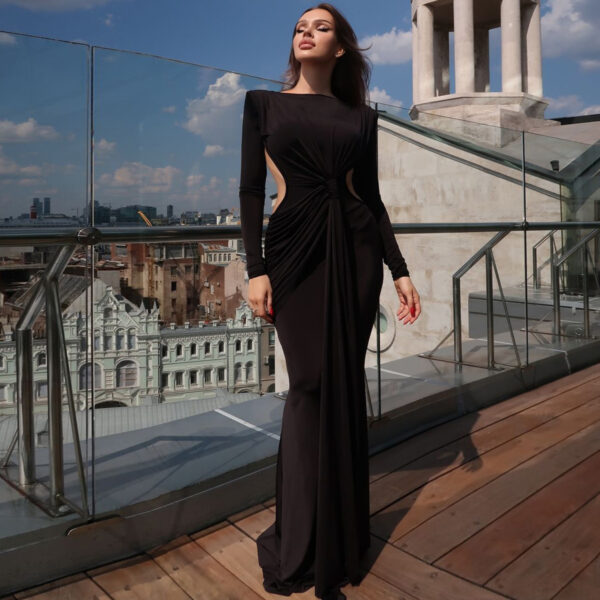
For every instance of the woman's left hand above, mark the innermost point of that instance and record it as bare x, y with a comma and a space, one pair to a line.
410, 303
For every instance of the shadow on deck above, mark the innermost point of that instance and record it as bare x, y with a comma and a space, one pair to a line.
501, 503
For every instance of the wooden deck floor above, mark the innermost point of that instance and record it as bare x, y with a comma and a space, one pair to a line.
504, 503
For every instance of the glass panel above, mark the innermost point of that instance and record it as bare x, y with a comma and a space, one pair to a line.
433, 169
179, 337
43, 188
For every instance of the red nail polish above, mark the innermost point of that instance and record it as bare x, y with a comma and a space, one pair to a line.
412, 311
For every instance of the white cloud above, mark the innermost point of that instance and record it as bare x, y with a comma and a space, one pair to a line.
10, 169
194, 180
591, 110
169, 109
570, 28
570, 106
377, 94
54, 5
108, 20
6, 39
104, 146
209, 116
391, 48
27, 131
213, 150
145, 178
589, 64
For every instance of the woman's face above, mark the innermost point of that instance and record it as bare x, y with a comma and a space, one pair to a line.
314, 36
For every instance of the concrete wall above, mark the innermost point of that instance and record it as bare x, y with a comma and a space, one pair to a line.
423, 180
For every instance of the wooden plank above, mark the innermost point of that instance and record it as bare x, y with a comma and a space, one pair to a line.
375, 588
452, 526
419, 579
409, 450
138, 578
585, 585
73, 587
542, 571
422, 504
236, 552
255, 524
198, 573
487, 553
400, 482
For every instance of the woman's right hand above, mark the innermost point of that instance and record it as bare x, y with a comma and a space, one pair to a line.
260, 297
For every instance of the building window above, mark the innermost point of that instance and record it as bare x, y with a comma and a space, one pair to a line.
164, 380
82, 343
41, 359
179, 350
238, 345
250, 371
108, 342
41, 389
108, 313
1, 361
196, 268
271, 337
188, 269
96, 343
207, 376
3, 396
221, 373
173, 286
126, 374
179, 379
85, 377
249, 345
193, 378
120, 340
194, 349
131, 340
221, 347
271, 364
206, 348
237, 373
173, 271
165, 351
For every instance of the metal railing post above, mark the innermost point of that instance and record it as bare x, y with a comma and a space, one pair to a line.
586, 298
457, 318
24, 392
489, 300
55, 434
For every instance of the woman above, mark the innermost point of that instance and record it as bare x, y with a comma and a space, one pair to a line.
319, 283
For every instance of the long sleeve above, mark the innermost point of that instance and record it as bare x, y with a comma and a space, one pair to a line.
252, 188
366, 182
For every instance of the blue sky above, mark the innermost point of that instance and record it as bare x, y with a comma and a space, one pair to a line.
168, 133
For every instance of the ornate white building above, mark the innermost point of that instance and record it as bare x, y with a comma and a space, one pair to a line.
125, 356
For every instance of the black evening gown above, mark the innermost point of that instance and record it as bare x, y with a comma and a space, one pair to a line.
324, 249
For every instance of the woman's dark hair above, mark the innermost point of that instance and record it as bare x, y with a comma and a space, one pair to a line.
352, 72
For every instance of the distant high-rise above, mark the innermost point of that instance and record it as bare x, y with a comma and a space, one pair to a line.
37, 204
47, 209
169, 211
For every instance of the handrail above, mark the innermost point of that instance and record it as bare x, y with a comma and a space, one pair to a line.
581, 245
91, 236
553, 250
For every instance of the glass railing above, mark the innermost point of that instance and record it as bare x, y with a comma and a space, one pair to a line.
132, 371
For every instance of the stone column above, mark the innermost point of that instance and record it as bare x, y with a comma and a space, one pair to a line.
464, 46
482, 60
425, 29
510, 24
415, 62
441, 61
532, 39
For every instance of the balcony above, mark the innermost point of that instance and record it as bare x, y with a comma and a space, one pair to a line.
141, 402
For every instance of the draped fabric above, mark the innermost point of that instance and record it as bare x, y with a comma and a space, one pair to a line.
324, 248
